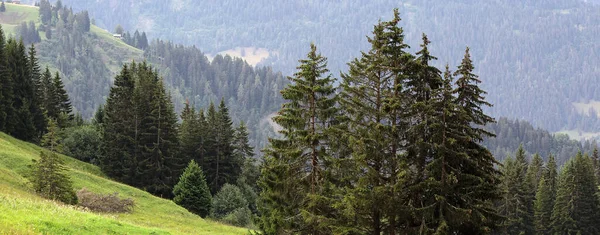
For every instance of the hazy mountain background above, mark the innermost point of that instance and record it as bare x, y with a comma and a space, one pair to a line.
537, 59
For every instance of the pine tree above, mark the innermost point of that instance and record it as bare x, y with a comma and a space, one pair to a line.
49, 179
62, 100
544, 202
192, 192
20, 122
596, 161
304, 119
5, 84
120, 128
372, 98
551, 174
481, 190
576, 210
39, 118
190, 134
156, 138
517, 202
534, 172
241, 145
51, 139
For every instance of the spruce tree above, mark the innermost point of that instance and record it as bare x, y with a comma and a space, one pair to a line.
62, 100
482, 190
373, 100
534, 172
298, 157
20, 122
544, 201
49, 179
190, 134
517, 202
5, 84
37, 111
576, 210
120, 127
48, 95
192, 192
157, 143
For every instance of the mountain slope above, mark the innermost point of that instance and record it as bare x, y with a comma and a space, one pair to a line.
536, 58
23, 212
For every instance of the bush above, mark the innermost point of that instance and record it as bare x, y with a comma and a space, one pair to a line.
109, 203
191, 192
83, 143
227, 200
240, 217
50, 181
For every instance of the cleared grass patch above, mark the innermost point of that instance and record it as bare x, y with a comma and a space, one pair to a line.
23, 212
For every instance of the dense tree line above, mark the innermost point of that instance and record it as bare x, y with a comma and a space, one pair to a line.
553, 68
539, 200
28, 98
510, 134
396, 150
136, 39
251, 94
145, 146
28, 33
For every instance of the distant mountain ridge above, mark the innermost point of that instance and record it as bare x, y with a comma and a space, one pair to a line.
535, 58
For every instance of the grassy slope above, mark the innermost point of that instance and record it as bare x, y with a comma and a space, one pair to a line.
15, 14
23, 212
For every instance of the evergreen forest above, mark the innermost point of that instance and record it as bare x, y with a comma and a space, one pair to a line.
396, 142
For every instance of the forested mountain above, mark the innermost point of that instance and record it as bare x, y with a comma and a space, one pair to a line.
536, 58
89, 57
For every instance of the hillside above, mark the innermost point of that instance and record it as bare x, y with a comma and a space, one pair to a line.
530, 67
23, 212
89, 61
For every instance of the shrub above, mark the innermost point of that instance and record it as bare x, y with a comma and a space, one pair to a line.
239, 217
109, 203
227, 200
191, 192
50, 181
83, 143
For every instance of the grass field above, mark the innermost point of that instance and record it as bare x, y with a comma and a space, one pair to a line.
23, 212
15, 14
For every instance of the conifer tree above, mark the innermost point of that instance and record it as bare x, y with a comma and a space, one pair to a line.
534, 172
120, 158
372, 98
297, 159
62, 99
39, 118
576, 210
157, 135
551, 174
190, 134
192, 192
544, 202
5, 84
596, 161
48, 95
482, 190
51, 139
49, 179
517, 202
20, 122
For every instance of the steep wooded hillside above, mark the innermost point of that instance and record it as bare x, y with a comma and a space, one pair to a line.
536, 58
